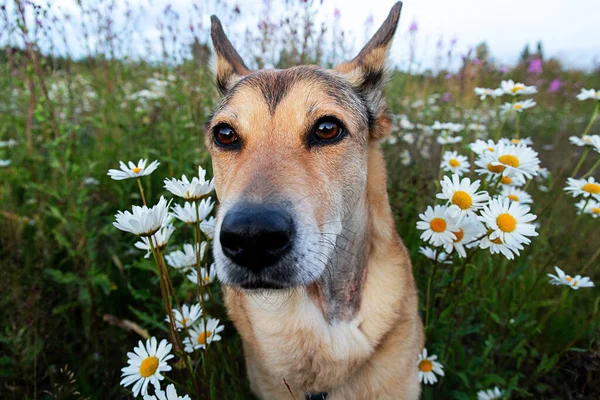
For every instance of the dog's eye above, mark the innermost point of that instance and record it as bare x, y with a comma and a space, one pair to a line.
225, 135
327, 130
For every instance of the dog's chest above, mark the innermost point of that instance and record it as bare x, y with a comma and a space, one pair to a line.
297, 343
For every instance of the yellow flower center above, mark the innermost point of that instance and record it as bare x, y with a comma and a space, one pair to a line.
203, 336
497, 169
586, 139
515, 141
510, 160
425, 366
571, 280
462, 199
184, 321
513, 197
148, 366
490, 149
506, 222
506, 180
438, 225
595, 210
497, 241
136, 170
518, 107
517, 88
592, 188
454, 162
459, 235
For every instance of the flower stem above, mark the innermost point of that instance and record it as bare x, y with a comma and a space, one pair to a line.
518, 124
139, 181
431, 275
591, 171
579, 216
499, 131
581, 160
200, 280
594, 116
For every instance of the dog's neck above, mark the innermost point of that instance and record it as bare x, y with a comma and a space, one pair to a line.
365, 232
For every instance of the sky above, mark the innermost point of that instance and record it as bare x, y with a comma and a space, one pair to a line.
569, 30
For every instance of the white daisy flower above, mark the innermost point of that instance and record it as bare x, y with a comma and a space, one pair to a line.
481, 146
143, 221
523, 141
186, 317
486, 168
187, 213
438, 227
208, 227
514, 89
543, 174
8, 143
469, 229
431, 254
592, 207
462, 196
515, 194
510, 221
518, 106
170, 394
428, 368
145, 366
448, 139
447, 126
159, 239
585, 140
5, 163
490, 394
574, 283
132, 171
514, 159
496, 246
195, 189
583, 187
484, 92
455, 163
512, 180
596, 143
88, 180
186, 259
201, 337
588, 94
207, 277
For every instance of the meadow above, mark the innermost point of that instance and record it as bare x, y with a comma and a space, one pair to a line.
77, 295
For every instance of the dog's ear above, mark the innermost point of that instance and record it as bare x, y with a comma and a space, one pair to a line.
367, 73
228, 66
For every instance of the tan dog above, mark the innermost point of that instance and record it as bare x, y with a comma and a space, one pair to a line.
315, 277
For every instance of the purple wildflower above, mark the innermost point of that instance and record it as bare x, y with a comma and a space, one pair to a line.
446, 97
413, 27
337, 13
554, 86
535, 66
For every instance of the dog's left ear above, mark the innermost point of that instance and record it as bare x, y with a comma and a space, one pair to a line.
367, 73
229, 67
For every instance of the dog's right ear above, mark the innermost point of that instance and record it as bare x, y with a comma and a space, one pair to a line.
228, 67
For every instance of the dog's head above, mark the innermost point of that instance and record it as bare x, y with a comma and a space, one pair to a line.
289, 151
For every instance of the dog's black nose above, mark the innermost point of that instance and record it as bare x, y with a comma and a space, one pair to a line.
256, 236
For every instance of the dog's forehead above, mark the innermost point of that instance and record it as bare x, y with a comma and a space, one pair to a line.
304, 88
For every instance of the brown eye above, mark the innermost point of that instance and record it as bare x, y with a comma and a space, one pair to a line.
225, 136
327, 130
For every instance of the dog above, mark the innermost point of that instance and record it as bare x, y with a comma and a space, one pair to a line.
314, 276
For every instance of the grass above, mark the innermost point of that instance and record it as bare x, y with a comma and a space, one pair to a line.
77, 296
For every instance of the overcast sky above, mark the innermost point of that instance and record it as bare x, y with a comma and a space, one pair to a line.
570, 30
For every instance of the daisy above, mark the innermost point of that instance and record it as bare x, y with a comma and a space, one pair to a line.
588, 94
170, 394
194, 190
583, 187
132, 171
585, 140
481, 146
143, 221
524, 141
509, 221
208, 227
596, 143
201, 337
5, 163
186, 317
88, 180
515, 159
543, 174
448, 139
462, 196
431, 254
8, 143
490, 394
453, 162
484, 92
145, 366
428, 368
469, 229
519, 106
159, 239
512, 180
187, 213
514, 89
573, 282
496, 246
186, 259
437, 226
207, 277
515, 194
592, 207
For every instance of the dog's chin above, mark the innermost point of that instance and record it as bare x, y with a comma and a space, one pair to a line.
271, 278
